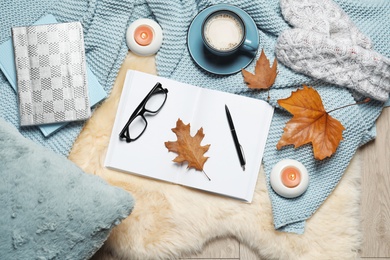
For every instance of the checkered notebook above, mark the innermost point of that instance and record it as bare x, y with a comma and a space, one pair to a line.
51, 73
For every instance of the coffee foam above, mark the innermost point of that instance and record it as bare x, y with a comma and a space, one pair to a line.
223, 32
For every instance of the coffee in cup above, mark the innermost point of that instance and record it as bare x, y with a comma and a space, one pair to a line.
223, 33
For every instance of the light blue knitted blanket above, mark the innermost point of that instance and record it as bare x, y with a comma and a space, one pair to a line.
105, 22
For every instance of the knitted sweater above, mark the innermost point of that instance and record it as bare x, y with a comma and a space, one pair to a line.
105, 22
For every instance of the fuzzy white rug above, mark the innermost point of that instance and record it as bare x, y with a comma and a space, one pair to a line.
170, 221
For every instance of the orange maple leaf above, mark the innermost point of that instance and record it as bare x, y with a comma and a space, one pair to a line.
264, 76
310, 124
187, 147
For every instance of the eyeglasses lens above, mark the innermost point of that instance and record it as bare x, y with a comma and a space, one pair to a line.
156, 101
137, 127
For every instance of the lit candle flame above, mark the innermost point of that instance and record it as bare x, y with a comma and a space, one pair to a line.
291, 177
143, 35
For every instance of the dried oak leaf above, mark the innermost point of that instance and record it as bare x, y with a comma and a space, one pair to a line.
264, 75
310, 124
187, 147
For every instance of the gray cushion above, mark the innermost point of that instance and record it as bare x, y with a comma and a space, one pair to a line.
50, 208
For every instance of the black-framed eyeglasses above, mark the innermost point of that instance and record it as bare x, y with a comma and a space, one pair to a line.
152, 104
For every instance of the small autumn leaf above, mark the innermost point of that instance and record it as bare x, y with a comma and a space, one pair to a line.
187, 147
310, 124
264, 75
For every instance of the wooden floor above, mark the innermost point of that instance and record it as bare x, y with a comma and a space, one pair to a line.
375, 205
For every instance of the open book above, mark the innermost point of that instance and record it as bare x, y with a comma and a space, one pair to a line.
199, 107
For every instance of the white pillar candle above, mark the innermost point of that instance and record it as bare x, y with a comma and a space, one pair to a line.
144, 37
289, 178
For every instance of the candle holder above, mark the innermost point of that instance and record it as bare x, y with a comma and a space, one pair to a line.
144, 37
289, 178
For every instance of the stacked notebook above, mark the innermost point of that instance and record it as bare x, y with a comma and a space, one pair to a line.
51, 73
45, 64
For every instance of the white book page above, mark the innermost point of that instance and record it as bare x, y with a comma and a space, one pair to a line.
251, 119
148, 155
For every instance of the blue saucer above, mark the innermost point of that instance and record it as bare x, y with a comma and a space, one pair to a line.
216, 64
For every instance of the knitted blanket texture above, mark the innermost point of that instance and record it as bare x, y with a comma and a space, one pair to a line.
105, 23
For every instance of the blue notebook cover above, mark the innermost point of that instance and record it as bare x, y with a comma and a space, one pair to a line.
96, 92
